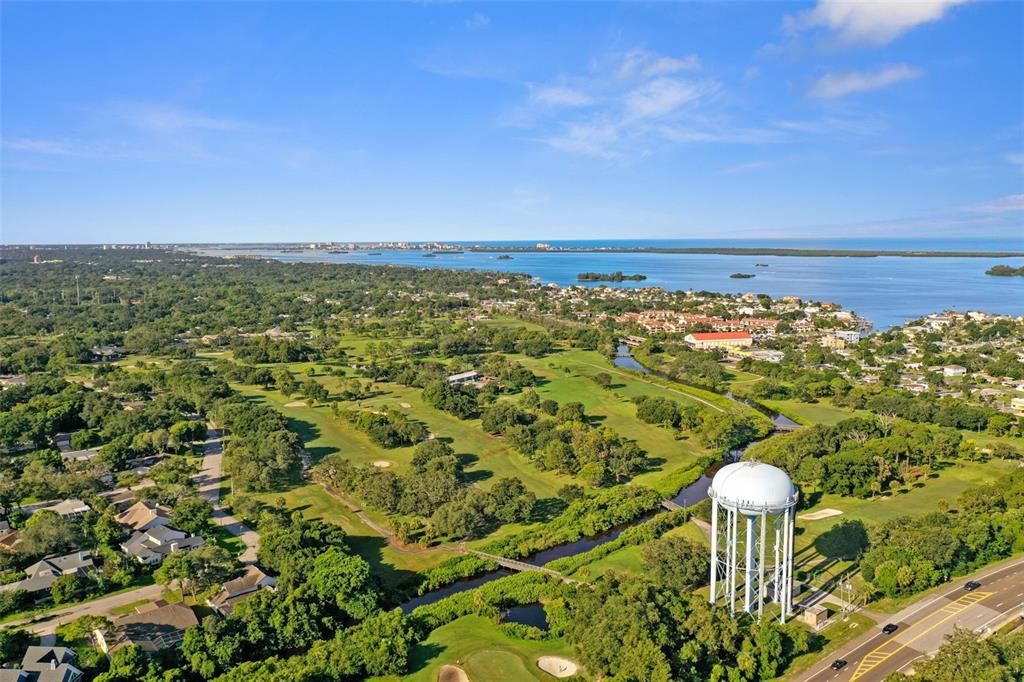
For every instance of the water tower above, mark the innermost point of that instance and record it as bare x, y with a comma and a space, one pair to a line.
756, 492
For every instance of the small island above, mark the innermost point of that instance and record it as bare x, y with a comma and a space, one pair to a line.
1005, 271
741, 275
430, 255
609, 277
504, 256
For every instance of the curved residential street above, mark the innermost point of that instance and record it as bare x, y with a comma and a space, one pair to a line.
209, 479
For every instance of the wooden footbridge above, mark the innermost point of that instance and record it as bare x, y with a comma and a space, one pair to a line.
516, 565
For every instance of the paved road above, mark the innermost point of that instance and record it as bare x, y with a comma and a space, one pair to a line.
924, 625
209, 479
47, 623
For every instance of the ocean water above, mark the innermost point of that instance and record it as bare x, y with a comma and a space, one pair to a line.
887, 290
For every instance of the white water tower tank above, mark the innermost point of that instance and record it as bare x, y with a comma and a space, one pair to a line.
755, 491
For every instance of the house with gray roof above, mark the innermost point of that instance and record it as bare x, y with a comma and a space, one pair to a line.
45, 664
68, 509
152, 546
43, 573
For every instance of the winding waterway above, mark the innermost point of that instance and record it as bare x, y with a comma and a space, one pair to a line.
687, 497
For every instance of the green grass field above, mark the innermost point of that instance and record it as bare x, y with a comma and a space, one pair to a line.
479, 647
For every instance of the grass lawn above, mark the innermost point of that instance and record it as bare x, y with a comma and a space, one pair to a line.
479, 647
821, 412
613, 406
629, 559
224, 539
832, 638
489, 458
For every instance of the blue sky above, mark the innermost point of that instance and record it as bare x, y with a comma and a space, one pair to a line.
182, 122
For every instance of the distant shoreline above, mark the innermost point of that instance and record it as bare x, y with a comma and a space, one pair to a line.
755, 251
692, 250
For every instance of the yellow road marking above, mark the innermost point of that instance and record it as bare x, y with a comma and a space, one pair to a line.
879, 655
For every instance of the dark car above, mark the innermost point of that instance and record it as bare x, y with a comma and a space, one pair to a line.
838, 664
890, 628
973, 585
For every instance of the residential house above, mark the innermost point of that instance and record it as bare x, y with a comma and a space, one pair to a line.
1017, 406
706, 340
45, 664
767, 355
847, 335
68, 509
954, 371
9, 540
154, 626
108, 353
43, 573
143, 516
241, 588
469, 377
152, 546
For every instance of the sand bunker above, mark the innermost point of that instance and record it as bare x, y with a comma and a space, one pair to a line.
404, 406
452, 673
295, 403
557, 666
820, 514
381, 463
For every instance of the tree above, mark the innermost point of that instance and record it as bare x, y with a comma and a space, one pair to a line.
66, 587
192, 515
198, 569
510, 501
603, 379
185, 433
964, 656
48, 533
570, 492
676, 563
13, 643
315, 391
343, 581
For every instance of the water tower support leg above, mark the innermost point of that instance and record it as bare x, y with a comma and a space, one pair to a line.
760, 565
748, 566
714, 551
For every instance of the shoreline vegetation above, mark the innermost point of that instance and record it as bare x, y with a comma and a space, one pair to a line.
1005, 271
616, 276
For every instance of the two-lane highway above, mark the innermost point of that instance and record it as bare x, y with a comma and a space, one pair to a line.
922, 627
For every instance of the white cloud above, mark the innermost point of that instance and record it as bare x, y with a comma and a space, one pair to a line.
873, 22
592, 138
1016, 159
161, 118
34, 145
661, 96
646, 64
1014, 203
747, 167
833, 85
560, 96
477, 21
